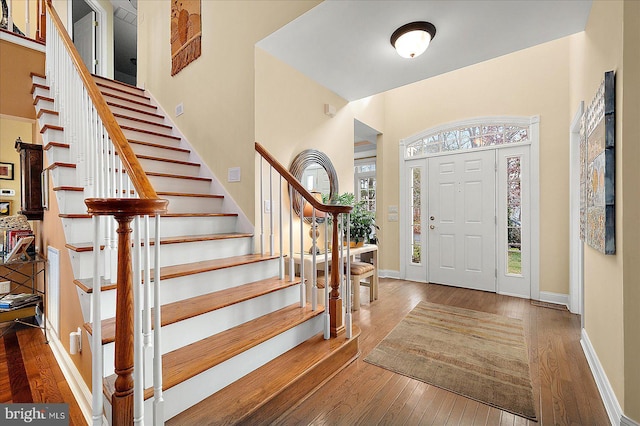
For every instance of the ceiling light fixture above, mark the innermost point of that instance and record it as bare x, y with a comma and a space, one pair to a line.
411, 40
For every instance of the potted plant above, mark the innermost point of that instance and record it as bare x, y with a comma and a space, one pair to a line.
362, 224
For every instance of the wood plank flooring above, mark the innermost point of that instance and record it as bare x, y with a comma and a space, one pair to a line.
29, 373
364, 394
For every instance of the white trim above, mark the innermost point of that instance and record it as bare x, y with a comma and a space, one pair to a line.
21, 41
388, 273
626, 421
611, 404
576, 246
79, 388
557, 298
534, 200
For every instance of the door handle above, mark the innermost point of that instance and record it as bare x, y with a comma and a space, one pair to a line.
432, 227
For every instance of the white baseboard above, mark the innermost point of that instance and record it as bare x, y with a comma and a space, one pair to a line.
388, 273
78, 387
616, 416
557, 298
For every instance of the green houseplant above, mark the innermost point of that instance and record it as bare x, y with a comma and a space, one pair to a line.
362, 224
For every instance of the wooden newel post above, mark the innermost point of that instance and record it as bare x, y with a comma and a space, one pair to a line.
124, 210
336, 324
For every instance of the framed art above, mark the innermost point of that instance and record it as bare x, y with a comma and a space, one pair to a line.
19, 251
5, 208
598, 162
6, 171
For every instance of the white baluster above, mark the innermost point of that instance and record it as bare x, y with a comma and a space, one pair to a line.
314, 272
281, 263
347, 282
96, 315
158, 401
292, 265
261, 211
147, 283
327, 318
27, 26
303, 285
138, 364
271, 210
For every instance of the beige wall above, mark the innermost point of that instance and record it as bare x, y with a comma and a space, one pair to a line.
217, 89
612, 288
16, 65
19, 13
289, 117
595, 51
530, 82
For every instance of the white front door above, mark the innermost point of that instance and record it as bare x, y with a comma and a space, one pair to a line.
461, 220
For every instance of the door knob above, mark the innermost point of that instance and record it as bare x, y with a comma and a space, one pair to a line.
432, 227
432, 218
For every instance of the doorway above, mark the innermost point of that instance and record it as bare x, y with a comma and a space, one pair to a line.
468, 217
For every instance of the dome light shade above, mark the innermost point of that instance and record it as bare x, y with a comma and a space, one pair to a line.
411, 40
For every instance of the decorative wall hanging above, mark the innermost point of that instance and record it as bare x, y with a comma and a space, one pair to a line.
6, 171
186, 32
597, 178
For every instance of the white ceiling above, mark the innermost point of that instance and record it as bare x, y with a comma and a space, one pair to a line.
344, 44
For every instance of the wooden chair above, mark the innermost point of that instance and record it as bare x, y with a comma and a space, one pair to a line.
360, 271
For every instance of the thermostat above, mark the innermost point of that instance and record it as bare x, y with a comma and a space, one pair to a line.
7, 192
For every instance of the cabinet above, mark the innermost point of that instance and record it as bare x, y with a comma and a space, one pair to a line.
30, 179
23, 277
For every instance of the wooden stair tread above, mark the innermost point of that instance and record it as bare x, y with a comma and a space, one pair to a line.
107, 86
88, 246
191, 360
124, 98
120, 83
168, 160
56, 144
157, 145
88, 216
69, 188
42, 98
35, 86
52, 127
181, 310
186, 194
140, 111
86, 285
169, 175
149, 132
140, 120
60, 164
47, 111
35, 74
265, 393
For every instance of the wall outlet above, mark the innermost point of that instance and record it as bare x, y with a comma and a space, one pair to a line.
179, 109
267, 206
233, 174
5, 287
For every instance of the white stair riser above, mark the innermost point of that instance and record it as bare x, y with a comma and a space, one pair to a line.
146, 137
122, 121
182, 396
176, 254
177, 335
185, 287
166, 167
42, 104
56, 154
70, 202
51, 135
48, 118
40, 91
152, 151
80, 230
192, 204
63, 176
119, 101
136, 114
110, 91
39, 80
172, 184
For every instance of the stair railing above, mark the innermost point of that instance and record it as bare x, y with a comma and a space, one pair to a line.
117, 188
337, 316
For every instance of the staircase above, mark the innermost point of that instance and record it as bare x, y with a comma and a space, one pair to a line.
238, 345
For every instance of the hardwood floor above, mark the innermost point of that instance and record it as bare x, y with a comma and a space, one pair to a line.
364, 394
564, 390
29, 373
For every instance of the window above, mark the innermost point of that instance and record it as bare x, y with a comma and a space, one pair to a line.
416, 215
514, 216
365, 182
467, 137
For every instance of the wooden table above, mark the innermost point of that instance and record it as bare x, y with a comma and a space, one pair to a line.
310, 273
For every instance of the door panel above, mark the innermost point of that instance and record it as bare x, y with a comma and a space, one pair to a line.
461, 221
84, 38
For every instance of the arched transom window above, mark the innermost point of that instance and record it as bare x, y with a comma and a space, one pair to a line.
468, 136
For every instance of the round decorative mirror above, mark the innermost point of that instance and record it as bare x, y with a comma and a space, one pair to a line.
316, 173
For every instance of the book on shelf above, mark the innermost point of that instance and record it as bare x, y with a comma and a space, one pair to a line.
14, 301
13, 236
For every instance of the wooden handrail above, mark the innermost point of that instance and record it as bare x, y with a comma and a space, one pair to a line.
333, 209
127, 157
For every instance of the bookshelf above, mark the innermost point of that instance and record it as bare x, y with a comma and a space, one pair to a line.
22, 275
